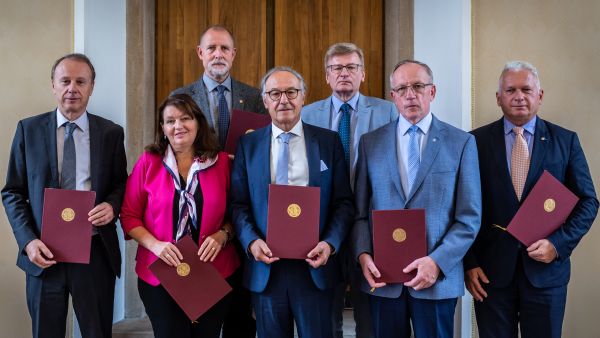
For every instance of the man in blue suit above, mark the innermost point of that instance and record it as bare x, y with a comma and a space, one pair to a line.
284, 291
351, 114
517, 286
418, 162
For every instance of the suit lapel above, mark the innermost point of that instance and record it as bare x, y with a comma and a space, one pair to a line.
95, 150
392, 160
237, 96
323, 116
263, 157
50, 142
200, 95
540, 142
313, 156
497, 147
364, 112
435, 138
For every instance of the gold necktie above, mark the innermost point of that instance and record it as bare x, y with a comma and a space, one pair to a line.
519, 161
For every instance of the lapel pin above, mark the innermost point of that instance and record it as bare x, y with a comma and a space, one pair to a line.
542, 138
241, 101
435, 139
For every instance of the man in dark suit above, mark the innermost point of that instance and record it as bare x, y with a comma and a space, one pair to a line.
290, 152
351, 114
40, 159
217, 89
217, 94
517, 286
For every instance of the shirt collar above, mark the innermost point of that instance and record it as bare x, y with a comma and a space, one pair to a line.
296, 130
212, 84
424, 124
529, 126
82, 121
337, 103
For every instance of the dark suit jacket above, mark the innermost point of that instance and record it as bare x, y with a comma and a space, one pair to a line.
251, 177
554, 149
33, 166
243, 97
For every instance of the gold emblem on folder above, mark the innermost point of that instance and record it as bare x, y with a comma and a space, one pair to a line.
549, 205
67, 214
294, 210
399, 235
183, 269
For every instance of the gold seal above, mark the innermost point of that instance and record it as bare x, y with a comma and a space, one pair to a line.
67, 214
399, 235
294, 210
549, 205
183, 269
249, 131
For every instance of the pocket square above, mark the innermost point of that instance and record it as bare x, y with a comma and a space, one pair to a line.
323, 166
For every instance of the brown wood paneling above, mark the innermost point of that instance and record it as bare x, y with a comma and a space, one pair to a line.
305, 29
179, 24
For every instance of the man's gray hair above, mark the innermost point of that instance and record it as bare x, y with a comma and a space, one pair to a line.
513, 66
343, 48
282, 69
405, 61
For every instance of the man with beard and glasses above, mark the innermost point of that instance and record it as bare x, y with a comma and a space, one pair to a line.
217, 94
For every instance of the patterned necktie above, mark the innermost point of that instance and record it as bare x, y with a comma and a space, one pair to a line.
67, 174
414, 155
519, 161
223, 115
344, 130
281, 173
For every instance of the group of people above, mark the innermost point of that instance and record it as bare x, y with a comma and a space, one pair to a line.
363, 152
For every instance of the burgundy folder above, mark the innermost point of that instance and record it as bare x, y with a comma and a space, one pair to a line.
293, 220
66, 230
194, 285
544, 210
398, 239
243, 122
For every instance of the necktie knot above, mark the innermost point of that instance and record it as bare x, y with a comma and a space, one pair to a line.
518, 130
69, 128
413, 130
284, 137
345, 108
221, 89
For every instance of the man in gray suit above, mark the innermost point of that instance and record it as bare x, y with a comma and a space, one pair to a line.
435, 167
217, 93
351, 114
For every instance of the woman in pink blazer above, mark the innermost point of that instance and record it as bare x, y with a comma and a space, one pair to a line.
179, 187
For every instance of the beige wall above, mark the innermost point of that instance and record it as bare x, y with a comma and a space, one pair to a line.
33, 33
563, 40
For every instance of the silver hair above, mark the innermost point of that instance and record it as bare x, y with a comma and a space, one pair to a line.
403, 62
513, 66
343, 48
282, 69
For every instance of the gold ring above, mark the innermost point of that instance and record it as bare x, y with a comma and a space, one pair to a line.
213, 248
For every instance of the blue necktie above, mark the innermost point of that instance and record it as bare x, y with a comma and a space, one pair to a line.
344, 130
281, 174
414, 156
67, 174
223, 115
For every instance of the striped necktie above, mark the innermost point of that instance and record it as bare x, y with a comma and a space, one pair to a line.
414, 155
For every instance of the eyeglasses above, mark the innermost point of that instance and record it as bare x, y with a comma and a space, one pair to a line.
352, 68
291, 94
417, 88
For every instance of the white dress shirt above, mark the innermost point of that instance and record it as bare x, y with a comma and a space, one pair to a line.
402, 140
298, 165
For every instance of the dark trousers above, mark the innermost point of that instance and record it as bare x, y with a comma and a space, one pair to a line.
91, 286
169, 320
239, 322
291, 296
392, 317
360, 300
538, 311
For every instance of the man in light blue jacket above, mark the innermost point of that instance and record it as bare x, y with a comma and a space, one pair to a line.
418, 162
351, 114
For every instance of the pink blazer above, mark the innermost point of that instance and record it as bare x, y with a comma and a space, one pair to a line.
148, 202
